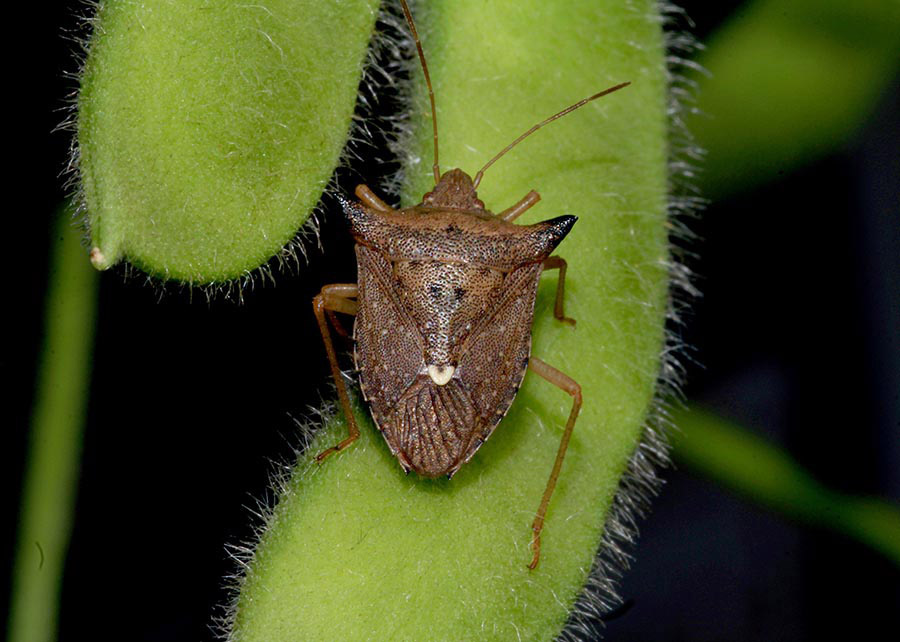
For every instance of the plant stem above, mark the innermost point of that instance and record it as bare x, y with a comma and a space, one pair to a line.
51, 476
739, 460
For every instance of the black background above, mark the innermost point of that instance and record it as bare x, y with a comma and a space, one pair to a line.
191, 401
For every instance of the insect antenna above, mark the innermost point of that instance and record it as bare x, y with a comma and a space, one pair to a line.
565, 111
415, 35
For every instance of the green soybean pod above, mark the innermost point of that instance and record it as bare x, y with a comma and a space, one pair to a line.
207, 130
355, 550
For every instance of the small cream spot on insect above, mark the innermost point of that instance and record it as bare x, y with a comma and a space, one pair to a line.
441, 374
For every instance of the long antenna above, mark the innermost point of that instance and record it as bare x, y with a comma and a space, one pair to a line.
565, 111
415, 34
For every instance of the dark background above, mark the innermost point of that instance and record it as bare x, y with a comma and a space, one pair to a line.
796, 332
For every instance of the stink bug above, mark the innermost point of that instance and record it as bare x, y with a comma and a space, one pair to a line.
444, 303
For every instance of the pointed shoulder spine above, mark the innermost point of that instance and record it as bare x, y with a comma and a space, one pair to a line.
550, 233
359, 217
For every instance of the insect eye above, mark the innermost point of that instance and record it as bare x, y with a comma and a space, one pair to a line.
435, 290
458, 294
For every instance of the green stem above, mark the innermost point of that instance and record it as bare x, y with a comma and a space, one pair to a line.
743, 462
51, 476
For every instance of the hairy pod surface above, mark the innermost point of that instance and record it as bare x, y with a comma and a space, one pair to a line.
357, 550
208, 130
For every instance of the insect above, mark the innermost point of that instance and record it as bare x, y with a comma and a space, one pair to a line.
444, 303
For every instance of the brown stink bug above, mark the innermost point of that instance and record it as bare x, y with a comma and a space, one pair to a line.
444, 305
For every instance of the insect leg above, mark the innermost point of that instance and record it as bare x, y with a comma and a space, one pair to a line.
564, 381
512, 213
337, 297
336, 324
369, 198
554, 263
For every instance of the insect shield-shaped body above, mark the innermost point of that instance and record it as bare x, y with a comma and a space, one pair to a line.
443, 331
444, 304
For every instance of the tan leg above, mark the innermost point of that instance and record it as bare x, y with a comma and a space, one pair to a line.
337, 297
559, 263
519, 208
336, 324
368, 197
571, 386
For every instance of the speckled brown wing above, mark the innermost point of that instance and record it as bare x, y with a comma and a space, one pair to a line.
432, 426
389, 349
427, 427
495, 355
435, 429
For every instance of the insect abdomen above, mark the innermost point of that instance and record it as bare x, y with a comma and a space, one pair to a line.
433, 426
